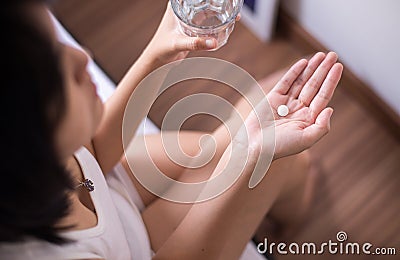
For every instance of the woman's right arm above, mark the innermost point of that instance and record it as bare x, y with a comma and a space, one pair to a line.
230, 217
222, 226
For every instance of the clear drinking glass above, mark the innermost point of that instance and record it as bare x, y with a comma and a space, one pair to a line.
207, 18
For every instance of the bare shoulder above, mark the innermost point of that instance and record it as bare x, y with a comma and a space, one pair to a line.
73, 164
89, 146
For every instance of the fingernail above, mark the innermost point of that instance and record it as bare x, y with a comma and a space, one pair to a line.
331, 113
210, 43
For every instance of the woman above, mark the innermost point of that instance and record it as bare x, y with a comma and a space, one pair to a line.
61, 142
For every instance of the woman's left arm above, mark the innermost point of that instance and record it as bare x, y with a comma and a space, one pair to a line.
167, 45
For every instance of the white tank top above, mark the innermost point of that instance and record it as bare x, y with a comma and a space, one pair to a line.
119, 234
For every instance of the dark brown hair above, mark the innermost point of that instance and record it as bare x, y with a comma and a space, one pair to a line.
34, 183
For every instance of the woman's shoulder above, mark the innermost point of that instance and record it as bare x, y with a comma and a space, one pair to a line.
84, 164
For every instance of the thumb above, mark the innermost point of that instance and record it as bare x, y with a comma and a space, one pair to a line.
195, 43
324, 118
315, 132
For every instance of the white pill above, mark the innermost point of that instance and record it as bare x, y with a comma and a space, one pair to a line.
283, 110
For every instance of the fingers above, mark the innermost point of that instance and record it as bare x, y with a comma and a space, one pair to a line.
287, 80
195, 43
238, 17
314, 83
319, 129
325, 93
306, 75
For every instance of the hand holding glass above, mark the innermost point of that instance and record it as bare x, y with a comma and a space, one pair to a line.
207, 18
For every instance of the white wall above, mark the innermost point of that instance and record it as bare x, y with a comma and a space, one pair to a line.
364, 33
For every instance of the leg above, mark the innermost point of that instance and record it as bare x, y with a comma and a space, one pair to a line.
292, 205
190, 145
162, 217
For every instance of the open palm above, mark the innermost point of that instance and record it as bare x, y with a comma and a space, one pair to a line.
306, 90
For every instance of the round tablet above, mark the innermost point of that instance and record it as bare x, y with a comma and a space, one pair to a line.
283, 110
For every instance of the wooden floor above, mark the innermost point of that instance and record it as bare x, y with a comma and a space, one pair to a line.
358, 187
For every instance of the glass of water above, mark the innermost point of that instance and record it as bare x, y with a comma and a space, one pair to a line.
207, 18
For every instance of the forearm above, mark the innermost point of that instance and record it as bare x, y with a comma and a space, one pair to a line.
167, 45
223, 225
108, 139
